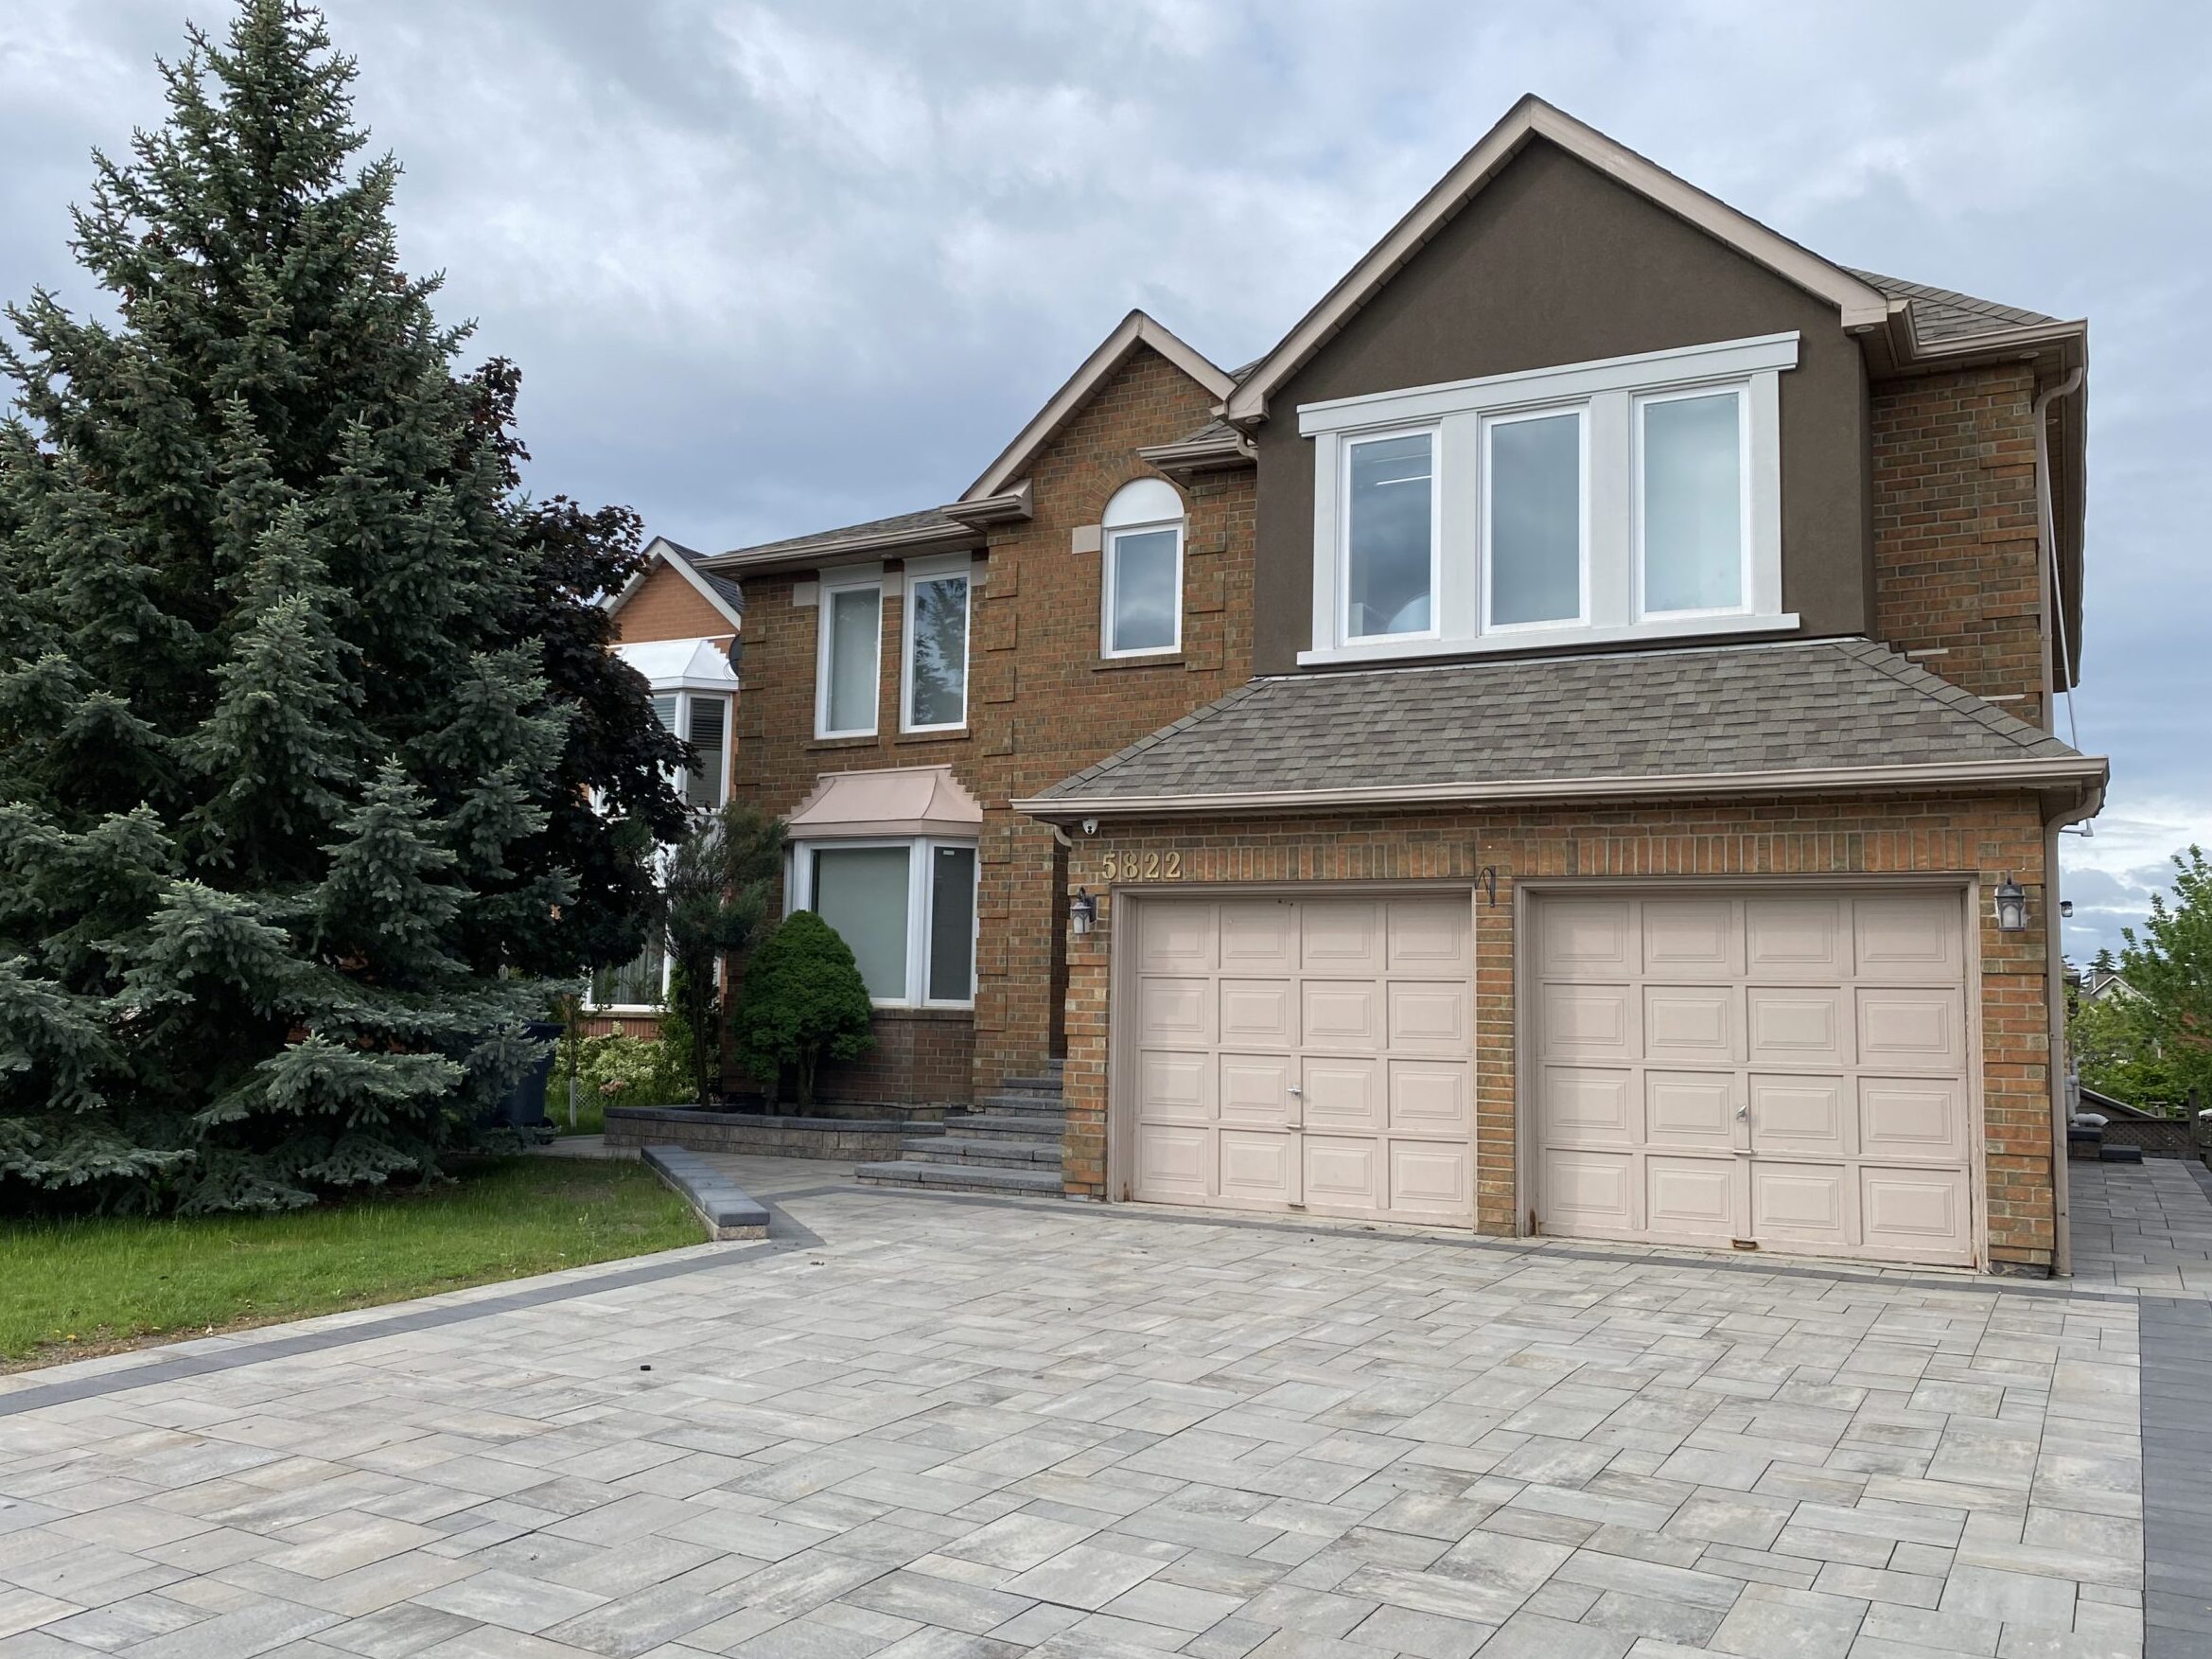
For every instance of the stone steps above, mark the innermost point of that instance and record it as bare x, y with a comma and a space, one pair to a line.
961, 1179
1010, 1143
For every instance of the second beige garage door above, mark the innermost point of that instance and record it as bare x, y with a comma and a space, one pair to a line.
1296, 1054
1788, 1071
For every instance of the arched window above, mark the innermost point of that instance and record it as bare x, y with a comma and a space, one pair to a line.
1142, 575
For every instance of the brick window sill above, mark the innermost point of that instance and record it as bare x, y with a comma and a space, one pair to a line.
961, 737
1166, 659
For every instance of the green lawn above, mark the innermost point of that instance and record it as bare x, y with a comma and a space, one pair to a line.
75, 1287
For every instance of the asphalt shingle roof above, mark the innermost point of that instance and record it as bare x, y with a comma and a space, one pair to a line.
1645, 714
730, 592
928, 520
1943, 313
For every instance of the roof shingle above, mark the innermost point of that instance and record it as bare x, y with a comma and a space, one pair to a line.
1814, 706
1943, 313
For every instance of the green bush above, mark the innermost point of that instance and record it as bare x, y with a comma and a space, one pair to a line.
628, 1072
803, 1000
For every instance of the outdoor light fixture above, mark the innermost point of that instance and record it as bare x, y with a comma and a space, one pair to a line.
1083, 912
2011, 907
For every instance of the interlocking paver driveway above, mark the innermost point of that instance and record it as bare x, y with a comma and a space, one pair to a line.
974, 1428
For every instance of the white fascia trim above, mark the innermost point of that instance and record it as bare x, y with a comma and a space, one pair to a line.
2088, 771
1133, 330
1678, 367
1859, 304
654, 553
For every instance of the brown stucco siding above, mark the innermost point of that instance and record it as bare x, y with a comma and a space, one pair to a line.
1982, 838
1955, 577
1041, 702
1553, 263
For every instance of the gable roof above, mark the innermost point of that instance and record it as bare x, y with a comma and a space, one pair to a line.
1827, 715
1859, 304
1133, 330
726, 596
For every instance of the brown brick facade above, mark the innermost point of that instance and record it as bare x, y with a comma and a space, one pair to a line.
667, 606
1955, 531
1985, 838
1041, 702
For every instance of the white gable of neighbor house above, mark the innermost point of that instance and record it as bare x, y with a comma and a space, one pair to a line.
681, 665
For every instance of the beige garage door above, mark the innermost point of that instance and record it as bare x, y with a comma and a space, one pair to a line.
1312, 1054
1785, 1070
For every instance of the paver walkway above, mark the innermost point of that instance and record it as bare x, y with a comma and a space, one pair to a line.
2146, 1226
940, 1427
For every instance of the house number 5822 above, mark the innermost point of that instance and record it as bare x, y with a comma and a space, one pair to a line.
1143, 866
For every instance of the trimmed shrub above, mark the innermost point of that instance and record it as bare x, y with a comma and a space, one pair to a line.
803, 1001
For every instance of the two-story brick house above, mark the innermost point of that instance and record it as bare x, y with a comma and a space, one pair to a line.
1561, 744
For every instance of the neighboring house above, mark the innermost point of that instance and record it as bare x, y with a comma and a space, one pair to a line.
679, 626
2098, 983
1544, 744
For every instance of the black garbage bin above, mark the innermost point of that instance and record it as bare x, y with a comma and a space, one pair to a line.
523, 1106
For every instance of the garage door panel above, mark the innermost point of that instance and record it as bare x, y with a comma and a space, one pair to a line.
1587, 1105
1586, 938
1915, 1215
1343, 1172
1690, 938
1691, 1199
1836, 1022
1796, 938
1174, 1163
1341, 1014
1589, 1191
1259, 936
1255, 1089
1428, 936
1259, 1012
1176, 1086
1427, 1014
1175, 939
1175, 1013
1797, 1025
1593, 1022
1258, 1168
1429, 1097
1343, 1093
1910, 938
1913, 1118
1342, 936
1802, 1204
1432, 1179
1686, 1109
1802, 1117
1911, 1029
1690, 1025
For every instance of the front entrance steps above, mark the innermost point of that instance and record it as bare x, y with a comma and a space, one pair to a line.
1010, 1143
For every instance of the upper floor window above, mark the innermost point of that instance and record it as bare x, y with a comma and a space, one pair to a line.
849, 659
933, 689
701, 719
1634, 498
1141, 583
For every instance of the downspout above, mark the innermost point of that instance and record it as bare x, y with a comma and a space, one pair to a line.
2055, 651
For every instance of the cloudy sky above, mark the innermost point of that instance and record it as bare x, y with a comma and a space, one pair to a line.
771, 267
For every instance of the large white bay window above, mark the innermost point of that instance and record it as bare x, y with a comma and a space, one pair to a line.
907, 910
1629, 499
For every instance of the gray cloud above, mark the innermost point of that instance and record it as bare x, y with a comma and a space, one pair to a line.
772, 266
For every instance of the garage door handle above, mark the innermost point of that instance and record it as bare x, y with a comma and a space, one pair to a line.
1743, 1112
1297, 1094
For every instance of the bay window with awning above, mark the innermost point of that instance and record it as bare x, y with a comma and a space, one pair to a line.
889, 860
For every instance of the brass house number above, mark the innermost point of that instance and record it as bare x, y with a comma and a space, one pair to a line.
1143, 866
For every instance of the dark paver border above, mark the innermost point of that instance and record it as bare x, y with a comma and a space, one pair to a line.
2177, 1477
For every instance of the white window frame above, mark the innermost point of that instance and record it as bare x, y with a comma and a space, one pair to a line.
1111, 581
1487, 579
919, 571
1741, 391
685, 697
825, 636
1342, 632
1610, 393
799, 896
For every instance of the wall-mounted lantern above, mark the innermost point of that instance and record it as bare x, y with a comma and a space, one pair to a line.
2011, 907
1083, 912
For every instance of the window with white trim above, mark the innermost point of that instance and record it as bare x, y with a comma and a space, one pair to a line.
933, 689
848, 658
1633, 497
1141, 571
908, 909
